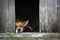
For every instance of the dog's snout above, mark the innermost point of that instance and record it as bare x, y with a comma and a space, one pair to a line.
19, 30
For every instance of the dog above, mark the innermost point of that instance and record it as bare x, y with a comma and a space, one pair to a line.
22, 26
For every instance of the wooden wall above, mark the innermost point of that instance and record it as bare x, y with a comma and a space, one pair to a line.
7, 15
48, 15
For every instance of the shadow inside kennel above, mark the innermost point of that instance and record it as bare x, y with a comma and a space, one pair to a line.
28, 10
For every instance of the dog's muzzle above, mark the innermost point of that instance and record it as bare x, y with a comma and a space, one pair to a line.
19, 30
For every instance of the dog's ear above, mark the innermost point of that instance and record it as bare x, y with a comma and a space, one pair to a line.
25, 23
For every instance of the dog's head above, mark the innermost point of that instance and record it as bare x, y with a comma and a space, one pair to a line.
20, 25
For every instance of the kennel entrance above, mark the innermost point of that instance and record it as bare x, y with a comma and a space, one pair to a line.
28, 10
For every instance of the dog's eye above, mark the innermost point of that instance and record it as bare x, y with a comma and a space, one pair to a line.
21, 25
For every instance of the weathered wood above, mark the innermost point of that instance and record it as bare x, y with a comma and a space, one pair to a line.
58, 16
11, 16
48, 15
7, 16
3, 15
31, 36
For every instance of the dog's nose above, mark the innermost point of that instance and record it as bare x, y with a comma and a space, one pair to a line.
19, 30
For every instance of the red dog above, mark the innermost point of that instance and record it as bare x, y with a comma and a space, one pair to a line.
20, 25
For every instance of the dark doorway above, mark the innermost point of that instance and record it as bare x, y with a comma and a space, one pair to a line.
28, 9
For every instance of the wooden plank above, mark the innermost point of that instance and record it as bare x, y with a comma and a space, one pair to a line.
48, 15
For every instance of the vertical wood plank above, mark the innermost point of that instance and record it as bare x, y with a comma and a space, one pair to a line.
48, 15
3, 15
11, 15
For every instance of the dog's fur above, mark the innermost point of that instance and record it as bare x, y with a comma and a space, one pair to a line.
20, 25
